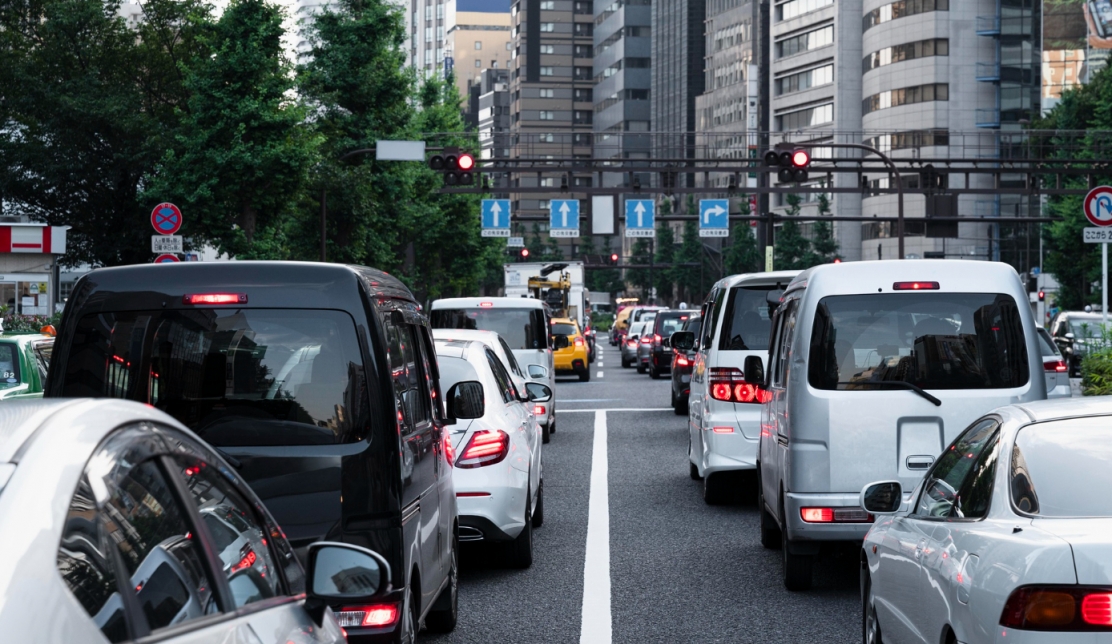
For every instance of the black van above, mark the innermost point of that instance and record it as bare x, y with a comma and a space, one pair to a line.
317, 382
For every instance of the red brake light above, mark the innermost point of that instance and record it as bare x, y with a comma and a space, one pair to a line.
646, 340
915, 286
728, 385
215, 298
835, 515
485, 447
579, 342
1096, 609
1058, 608
539, 410
486, 305
246, 561
682, 361
817, 515
723, 430
1052, 366
375, 616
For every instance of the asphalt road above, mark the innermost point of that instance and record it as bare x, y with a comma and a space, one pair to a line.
678, 569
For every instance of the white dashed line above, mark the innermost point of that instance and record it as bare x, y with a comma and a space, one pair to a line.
599, 375
596, 626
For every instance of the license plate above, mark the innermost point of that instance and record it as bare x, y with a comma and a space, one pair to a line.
685, 379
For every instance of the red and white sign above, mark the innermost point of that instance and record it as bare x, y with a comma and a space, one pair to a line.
752, 210
1098, 206
166, 219
33, 238
166, 259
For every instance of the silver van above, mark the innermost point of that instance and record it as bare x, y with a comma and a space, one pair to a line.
523, 324
874, 368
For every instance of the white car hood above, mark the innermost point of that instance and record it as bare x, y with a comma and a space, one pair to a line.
1091, 541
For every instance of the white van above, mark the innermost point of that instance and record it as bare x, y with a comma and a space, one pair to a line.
523, 324
875, 367
724, 411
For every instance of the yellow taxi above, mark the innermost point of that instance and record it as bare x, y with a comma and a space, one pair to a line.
570, 356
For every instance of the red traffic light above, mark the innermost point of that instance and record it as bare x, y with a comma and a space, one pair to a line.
614, 258
1042, 296
524, 252
465, 162
801, 158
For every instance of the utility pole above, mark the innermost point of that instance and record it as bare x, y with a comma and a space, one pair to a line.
763, 55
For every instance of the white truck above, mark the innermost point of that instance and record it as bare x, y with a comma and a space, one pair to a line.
579, 302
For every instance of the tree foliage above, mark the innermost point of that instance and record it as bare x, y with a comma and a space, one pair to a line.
824, 248
791, 248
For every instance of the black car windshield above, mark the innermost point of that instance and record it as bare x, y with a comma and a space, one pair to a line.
234, 376
1063, 468
669, 323
520, 328
930, 340
9, 365
748, 320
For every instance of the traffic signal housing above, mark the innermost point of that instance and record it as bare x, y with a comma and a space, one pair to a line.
457, 167
524, 255
613, 259
1042, 296
792, 163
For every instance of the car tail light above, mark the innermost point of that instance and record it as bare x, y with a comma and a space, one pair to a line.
728, 385
1058, 608
915, 286
682, 361
725, 429
539, 410
631, 343
579, 342
373, 616
215, 298
657, 340
646, 340
485, 447
449, 451
835, 515
486, 305
1055, 366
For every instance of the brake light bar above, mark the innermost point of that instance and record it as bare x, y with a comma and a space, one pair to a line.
486, 305
835, 515
485, 447
1052, 366
377, 615
682, 361
728, 385
215, 298
915, 286
539, 410
1064, 608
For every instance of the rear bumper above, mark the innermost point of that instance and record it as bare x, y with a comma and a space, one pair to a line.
798, 530
734, 450
501, 515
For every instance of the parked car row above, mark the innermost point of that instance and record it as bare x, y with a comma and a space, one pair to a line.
265, 406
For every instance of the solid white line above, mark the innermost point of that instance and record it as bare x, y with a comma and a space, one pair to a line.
582, 411
596, 627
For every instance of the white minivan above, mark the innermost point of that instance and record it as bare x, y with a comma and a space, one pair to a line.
874, 368
523, 324
724, 411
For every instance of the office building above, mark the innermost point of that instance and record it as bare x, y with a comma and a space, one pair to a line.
622, 77
678, 51
476, 40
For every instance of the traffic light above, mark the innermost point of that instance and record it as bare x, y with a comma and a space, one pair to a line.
456, 166
613, 259
524, 254
1042, 296
793, 163
668, 180
931, 179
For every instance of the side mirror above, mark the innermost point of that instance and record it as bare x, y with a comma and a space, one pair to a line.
538, 372
562, 342
343, 573
1070, 337
883, 497
538, 392
755, 371
466, 400
772, 298
683, 340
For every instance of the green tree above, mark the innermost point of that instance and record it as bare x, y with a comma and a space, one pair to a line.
791, 248
641, 254
742, 255
824, 248
89, 104
606, 280
243, 154
665, 251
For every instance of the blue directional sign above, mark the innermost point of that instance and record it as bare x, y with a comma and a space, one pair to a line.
496, 217
714, 218
640, 218
563, 218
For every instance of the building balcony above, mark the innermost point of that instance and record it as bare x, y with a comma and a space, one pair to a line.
988, 117
988, 25
988, 72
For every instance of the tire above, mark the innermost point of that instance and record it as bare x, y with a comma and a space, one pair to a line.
520, 551
673, 397
546, 431
585, 375
443, 618
538, 512
552, 426
694, 472
715, 489
870, 626
641, 367
797, 569
681, 406
654, 374
407, 633
770, 532
626, 364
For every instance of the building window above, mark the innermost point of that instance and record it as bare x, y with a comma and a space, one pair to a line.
793, 8
509, 46
548, 182
428, 12
805, 80
809, 117
494, 64
582, 73
478, 63
478, 45
439, 12
428, 35
547, 138
548, 49
582, 95
548, 93
908, 51
584, 8
548, 5
909, 140
584, 29
581, 139
902, 9
906, 96
582, 51
805, 42
548, 27
547, 115
546, 71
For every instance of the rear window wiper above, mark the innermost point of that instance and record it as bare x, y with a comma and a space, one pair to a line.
898, 383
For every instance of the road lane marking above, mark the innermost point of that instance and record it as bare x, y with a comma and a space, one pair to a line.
599, 375
596, 625
581, 411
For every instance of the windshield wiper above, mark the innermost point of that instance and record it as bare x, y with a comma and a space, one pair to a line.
897, 383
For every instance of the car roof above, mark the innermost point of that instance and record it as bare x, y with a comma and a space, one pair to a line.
1060, 408
490, 302
563, 321
452, 348
757, 279
954, 276
1084, 315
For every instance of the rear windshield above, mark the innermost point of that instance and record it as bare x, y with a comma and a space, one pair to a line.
931, 340
1085, 328
669, 323
234, 376
1063, 469
455, 370
748, 320
563, 329
9, 365
520, 328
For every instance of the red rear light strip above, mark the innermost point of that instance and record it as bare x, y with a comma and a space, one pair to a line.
728, 385
215, 298
1052, 366
915, 286
1059, 608
485, 447
835, 515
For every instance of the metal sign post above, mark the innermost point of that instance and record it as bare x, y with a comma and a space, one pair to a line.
1098, 210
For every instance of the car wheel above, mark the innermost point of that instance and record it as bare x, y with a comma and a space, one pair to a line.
716, 490
538, 513
546, 432
797, 568
673, 397
870, 626
408, 632
626, 364
520, 550
770, 532
552, 426
654, 374
681, 405
445, 612
585, 375
641, 367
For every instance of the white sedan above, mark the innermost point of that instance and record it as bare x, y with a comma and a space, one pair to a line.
496, 449
1007, 539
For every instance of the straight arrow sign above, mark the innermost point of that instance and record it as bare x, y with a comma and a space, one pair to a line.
640, 210
496, 210
564, 210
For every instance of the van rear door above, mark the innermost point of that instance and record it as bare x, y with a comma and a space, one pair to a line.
745, 330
